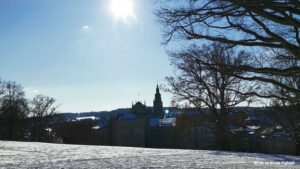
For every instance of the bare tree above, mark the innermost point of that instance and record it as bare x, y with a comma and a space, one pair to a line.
287, 112
200, 85
268, 24
13, 111
287, 115
1, 87
42, 109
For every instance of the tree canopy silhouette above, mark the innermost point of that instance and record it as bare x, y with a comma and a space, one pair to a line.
270, 24
202, 85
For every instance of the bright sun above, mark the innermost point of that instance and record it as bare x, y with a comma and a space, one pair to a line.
122, 8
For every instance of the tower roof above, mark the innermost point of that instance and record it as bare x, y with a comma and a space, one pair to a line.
157, 104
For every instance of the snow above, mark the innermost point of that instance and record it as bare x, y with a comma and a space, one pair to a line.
87, 118
45, 155
253, 127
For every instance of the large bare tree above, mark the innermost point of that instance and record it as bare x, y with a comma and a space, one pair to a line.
287, 112
42, 109
13, 111
200, 81
270, 24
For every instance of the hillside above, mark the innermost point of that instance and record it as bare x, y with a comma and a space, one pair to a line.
251, 111
107, 114
44, 155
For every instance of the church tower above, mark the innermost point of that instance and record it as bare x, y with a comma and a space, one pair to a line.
158, 105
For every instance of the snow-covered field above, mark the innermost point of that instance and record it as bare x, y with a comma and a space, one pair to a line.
43, 155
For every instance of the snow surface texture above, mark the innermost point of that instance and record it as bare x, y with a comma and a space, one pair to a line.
44, 155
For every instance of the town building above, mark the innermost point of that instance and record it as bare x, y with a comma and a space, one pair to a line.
132, 129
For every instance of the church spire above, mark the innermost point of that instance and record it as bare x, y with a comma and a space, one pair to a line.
157, 104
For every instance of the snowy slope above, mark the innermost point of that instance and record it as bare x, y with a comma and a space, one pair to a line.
43, 155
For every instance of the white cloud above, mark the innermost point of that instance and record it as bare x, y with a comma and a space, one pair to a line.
35, 91
32, 92
86, 27
269, 53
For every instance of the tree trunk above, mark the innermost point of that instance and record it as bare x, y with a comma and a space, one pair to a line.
222, 137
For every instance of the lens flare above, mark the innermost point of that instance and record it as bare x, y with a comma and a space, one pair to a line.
122, 8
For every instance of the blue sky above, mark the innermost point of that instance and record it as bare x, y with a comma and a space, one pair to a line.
81, 54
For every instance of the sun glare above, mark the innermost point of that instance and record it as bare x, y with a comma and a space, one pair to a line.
122, 8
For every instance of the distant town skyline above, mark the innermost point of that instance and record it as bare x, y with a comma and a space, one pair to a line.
88, 55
